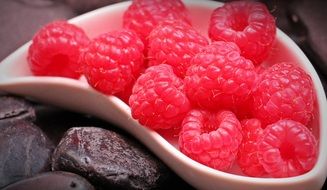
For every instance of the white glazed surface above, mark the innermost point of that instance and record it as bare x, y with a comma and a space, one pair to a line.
15, 77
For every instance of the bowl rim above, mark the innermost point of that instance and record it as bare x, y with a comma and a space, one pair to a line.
320, 94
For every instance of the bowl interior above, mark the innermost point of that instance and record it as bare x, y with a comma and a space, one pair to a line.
284, 50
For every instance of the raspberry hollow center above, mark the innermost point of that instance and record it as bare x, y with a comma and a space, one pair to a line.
239, 22
210, 123
287, 151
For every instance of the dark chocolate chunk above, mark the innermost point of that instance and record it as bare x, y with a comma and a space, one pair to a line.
24, 151
108, 159
57, 180
15, 108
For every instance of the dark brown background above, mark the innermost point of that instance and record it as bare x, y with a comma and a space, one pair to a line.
303, 20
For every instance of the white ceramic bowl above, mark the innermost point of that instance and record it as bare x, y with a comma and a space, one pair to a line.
110, 18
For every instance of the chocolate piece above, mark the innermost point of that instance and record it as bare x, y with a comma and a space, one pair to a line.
15, 108
52, 181
24, 151
108, 159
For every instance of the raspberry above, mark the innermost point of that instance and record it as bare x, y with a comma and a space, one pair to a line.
287, 148
219, 78
284, 91
55, 50
211, 138
174, 43
126, 93
247, 157
143, 15
249, 24
113, 60
244, 110
158, 100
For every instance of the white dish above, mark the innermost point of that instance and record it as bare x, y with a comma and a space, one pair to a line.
15, 77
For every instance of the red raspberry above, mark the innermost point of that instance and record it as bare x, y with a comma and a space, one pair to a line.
55, 50
219, 78
249, 24
126, 93
284, 91
143, 15
174, 43
113, 60
158, 100
247, 157
287, 148
244, 110
211, 138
